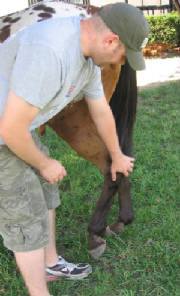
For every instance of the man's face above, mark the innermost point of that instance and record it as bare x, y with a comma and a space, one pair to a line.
113, 53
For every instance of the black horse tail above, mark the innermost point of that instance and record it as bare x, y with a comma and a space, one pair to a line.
123, 104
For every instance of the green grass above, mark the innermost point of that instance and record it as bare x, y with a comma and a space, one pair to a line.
145, 260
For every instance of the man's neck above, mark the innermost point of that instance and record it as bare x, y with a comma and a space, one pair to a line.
86, 37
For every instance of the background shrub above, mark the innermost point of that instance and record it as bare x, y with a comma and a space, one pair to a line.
164, 28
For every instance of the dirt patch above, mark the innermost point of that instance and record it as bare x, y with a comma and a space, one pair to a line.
160, 49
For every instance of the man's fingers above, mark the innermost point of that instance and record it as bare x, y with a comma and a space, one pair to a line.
126, 174
132, 159
126, 167
62, 175
130, 170
113, 173
64, 172
59, 178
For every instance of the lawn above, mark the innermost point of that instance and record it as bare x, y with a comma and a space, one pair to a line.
144, 260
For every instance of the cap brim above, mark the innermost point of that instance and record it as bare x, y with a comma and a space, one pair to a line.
135, 59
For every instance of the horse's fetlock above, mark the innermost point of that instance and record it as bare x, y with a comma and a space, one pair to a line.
95, 241
126, 218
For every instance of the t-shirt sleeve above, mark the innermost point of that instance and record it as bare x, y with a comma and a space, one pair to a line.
36, 74
94, 88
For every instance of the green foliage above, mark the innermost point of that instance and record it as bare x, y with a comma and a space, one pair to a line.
164, 28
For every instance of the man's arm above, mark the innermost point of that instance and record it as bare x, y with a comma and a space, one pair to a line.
105, 124
14, 129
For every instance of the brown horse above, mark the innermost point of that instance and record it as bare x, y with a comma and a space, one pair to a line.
75, 126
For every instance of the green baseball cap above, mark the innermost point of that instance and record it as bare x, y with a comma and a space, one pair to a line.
130, 25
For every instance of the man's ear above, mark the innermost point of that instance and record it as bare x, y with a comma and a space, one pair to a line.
110, 40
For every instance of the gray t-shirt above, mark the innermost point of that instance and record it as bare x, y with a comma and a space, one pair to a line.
44, 65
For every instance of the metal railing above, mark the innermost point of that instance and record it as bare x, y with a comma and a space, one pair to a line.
149, 10
84, 2
154, 9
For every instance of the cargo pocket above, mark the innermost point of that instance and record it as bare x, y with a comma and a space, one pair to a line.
23, 238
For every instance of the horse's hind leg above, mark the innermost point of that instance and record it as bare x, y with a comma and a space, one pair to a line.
126, 215
97, 225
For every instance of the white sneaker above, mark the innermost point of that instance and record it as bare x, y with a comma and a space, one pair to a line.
70, 271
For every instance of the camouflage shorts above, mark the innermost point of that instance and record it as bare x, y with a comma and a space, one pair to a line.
25, 198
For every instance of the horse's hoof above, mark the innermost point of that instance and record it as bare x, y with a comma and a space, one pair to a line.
115, 228
99, 246
96, 253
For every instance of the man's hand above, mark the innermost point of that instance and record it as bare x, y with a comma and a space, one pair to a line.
122, 164
53, 171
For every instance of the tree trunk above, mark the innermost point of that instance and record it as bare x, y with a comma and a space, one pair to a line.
177, 5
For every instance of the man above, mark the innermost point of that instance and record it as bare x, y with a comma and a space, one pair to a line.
42, 68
